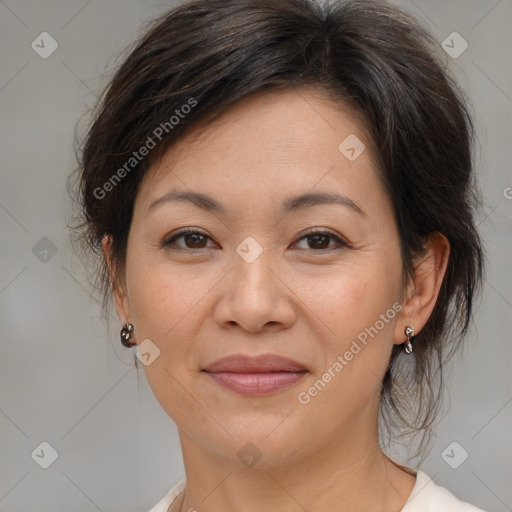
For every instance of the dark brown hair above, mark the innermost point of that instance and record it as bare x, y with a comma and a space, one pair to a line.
208, 54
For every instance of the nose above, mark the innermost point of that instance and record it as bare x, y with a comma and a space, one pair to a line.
255, 297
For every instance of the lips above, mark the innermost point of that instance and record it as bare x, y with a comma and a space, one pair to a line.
259, 364
258, 375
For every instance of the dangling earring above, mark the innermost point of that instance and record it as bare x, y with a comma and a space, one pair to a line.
127, 334
409, 332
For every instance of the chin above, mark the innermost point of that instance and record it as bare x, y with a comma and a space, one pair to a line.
256, 442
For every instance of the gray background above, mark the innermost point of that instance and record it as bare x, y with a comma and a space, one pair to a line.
66, 381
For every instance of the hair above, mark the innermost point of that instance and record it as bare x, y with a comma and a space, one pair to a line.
198, 60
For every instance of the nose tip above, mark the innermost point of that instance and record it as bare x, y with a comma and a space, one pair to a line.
254, 299
254, 326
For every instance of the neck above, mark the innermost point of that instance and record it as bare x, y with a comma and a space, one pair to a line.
348, 475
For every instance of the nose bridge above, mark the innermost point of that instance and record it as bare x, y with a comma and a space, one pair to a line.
254, 296
252, 276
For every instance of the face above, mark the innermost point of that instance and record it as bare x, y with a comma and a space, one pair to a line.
292, 251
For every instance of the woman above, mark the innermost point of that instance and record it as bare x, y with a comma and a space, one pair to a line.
284, 196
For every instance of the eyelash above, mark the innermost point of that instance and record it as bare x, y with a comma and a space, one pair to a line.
309, 233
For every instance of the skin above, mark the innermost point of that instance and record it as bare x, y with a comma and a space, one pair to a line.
198, 301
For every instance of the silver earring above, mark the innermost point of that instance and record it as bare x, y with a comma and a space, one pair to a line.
126, 334
409, 332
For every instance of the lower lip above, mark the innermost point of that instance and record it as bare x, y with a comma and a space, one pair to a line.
256, 383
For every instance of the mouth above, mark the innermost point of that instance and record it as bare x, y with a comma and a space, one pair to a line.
259, 375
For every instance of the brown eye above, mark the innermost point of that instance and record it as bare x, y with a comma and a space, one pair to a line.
192, 239
319, 241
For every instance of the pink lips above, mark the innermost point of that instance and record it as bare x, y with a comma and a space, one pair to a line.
259, 375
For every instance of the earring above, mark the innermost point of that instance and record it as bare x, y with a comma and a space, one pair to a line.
126, 334
409, 332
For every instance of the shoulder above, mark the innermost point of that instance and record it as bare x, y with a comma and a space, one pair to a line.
164, 504
426, 496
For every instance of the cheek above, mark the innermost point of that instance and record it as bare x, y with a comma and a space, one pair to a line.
350, 299
358, 319
163, 298
170, 304
165, 304
357, 311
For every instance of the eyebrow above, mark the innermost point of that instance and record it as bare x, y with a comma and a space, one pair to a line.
300, 202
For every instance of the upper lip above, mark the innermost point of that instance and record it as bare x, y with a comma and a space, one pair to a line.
264, 363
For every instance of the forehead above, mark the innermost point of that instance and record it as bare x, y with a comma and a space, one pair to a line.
289, 122
270, 143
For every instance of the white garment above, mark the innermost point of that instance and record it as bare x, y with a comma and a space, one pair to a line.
426, 496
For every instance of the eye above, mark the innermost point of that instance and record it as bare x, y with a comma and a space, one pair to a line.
192, 239
320, 241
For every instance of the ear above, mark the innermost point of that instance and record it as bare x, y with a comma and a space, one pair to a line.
422, 293
118, 286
